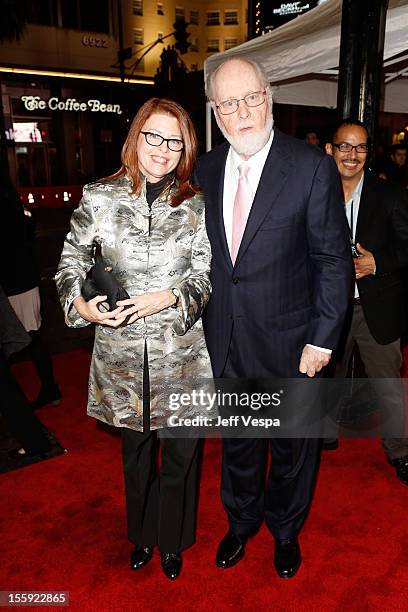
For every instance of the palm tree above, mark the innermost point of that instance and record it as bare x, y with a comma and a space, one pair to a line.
14, 17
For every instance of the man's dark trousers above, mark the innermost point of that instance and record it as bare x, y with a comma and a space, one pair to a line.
290, 482
382, 362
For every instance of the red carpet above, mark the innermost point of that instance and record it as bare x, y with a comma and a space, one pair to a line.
63, 528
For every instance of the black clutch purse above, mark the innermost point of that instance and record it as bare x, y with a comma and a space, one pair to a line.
100, 281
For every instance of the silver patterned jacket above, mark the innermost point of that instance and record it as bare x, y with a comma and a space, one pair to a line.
174, 253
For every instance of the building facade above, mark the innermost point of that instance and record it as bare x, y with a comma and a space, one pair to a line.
66, 110
213, 26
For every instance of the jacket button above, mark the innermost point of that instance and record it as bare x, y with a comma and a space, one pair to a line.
235, 281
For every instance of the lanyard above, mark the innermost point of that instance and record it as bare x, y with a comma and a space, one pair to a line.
351, 223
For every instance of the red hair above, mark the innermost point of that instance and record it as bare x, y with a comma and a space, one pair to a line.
184, 170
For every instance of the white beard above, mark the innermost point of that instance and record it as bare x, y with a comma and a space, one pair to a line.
249, 144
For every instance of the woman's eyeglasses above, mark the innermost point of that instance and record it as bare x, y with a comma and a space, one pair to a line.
155, 140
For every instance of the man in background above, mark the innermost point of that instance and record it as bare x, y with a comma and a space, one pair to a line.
395, 167
377, 214
312, 138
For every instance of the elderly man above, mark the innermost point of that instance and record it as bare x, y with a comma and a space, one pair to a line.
280, 275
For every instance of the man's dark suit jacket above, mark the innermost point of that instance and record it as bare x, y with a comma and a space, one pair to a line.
291, 280
382, 228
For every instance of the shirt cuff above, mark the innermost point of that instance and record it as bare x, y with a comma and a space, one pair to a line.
319, 348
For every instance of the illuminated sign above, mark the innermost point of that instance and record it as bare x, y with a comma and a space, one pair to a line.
26, 132
33, 103
275, 14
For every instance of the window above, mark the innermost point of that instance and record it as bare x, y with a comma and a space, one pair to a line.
194, 17
92, 20
138, 36
231, 17
194, 44
180, 12
137, 7
213, 17
213, 44
229, 43
43, 12
160, 8
69, 14
81, 15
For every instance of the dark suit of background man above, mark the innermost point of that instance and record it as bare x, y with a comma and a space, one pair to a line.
279, 296
377, 212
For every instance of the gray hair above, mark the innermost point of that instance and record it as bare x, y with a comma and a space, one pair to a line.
258, 69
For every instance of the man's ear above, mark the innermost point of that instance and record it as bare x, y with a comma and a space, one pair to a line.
329, 149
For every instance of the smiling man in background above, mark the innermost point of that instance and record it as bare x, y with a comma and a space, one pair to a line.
280, 276
377, 214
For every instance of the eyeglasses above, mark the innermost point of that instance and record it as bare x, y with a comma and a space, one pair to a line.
155, 140
252, 99
345, 147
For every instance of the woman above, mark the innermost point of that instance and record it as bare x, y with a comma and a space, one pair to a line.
149, 221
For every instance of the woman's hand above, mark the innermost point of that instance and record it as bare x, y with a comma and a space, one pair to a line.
89, 311
148, 304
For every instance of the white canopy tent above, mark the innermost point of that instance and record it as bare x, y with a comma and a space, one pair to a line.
301, 57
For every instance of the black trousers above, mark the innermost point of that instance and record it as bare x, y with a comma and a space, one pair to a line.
161, 501
381, 361
283, 496
42, 361
19, 417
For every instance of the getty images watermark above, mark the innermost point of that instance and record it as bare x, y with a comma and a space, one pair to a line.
299, 407
219, 400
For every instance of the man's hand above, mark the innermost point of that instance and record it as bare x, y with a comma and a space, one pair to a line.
365, 264
148, 304
312, 361
89, 311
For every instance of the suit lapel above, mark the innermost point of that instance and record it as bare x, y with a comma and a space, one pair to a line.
274, 175
365, 209
216, 189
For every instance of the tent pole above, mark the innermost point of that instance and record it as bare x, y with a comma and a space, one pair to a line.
361, 57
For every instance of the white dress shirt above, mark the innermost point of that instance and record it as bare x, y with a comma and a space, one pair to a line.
256, 163
353, 206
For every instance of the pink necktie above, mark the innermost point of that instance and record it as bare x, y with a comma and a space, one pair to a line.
242, 206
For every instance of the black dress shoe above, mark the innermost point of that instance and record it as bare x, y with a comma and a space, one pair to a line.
287, 557
231, 550
401, 467
141, 556
171, 564
330, 444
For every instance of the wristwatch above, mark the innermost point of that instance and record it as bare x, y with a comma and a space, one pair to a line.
176, 293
